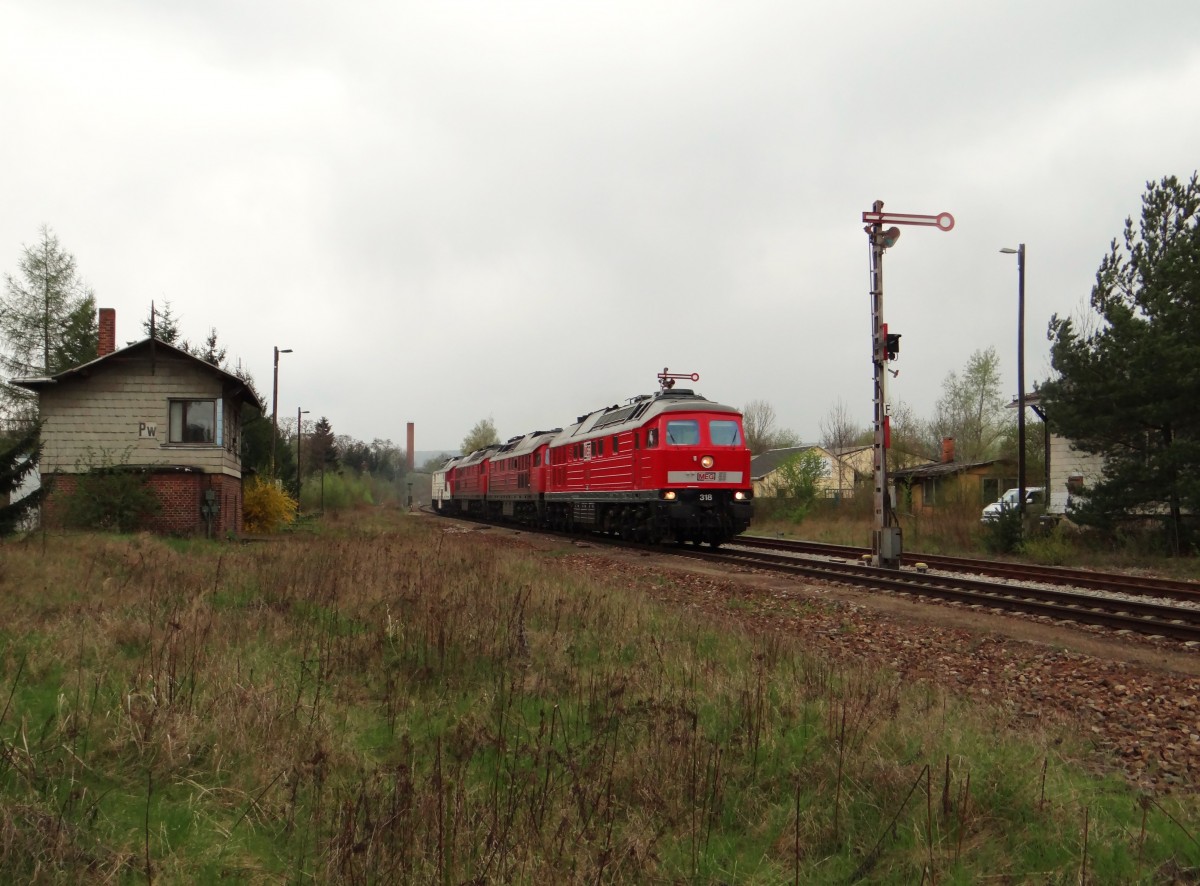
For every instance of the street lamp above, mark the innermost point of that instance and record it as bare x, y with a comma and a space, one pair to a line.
275, 406
1019, 252
299, 434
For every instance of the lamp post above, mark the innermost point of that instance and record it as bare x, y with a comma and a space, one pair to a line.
1019, 252
275, 406
299, 434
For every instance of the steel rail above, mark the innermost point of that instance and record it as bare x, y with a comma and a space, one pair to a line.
1135, 616
1080, 578
1131, 615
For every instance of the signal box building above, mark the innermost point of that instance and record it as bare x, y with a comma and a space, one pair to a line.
151, 408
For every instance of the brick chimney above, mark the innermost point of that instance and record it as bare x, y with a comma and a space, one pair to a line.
411, 437
947, 450
108, 332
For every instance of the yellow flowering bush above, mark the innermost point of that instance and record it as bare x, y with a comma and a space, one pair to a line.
266, 507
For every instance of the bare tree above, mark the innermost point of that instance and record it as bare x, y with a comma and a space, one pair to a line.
758, 422
838, 429
910, 445
839, 433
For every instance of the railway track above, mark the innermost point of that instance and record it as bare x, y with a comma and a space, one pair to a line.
1134, 585
1089, 606
1120, 603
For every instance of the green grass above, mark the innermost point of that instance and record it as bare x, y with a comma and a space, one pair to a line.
383, 702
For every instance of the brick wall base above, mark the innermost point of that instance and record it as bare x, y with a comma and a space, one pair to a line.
180, 497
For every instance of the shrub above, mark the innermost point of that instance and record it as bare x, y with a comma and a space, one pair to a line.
1002, 533
110, 495
343, 489
1053, 548
266, 507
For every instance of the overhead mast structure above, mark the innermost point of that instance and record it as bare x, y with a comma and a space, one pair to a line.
886, 542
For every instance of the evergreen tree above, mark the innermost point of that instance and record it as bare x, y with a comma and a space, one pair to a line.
19, 455
165, 325
210, 351
322, 447
1127, 388
47, 319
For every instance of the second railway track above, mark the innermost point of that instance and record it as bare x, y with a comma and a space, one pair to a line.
1119, 603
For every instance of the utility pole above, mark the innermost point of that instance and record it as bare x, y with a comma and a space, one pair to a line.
275, 405
1019, 252
886, 542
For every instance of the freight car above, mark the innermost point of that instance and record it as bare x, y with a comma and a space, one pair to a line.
670, 466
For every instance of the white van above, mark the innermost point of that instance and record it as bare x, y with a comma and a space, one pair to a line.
1034, 495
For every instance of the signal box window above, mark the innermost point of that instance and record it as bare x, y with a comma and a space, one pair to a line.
724, 433
193, 421
683, 432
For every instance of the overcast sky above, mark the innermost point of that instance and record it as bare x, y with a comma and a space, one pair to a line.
525, 210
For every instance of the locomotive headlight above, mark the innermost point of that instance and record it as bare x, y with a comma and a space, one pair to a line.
669, 495
706, 462
739, 496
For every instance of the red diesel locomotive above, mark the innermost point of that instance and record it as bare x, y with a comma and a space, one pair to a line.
671, 466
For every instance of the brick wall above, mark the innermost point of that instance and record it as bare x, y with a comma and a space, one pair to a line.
180, 496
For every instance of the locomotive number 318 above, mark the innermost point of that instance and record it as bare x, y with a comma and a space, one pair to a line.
705, 496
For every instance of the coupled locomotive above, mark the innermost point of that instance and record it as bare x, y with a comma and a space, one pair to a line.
669, 466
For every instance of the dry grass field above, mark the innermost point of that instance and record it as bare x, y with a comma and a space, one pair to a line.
389, 699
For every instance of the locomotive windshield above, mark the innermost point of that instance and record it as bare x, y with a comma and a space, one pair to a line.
683, 432
724, 433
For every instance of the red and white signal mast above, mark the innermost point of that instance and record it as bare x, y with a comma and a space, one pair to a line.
886, 544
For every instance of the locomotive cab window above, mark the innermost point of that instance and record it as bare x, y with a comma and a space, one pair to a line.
651, 438
724, 433
683, 432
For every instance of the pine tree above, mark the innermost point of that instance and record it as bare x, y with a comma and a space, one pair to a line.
1127, 388
322, 447
47, 319
162, 324
210, 351
19, 455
